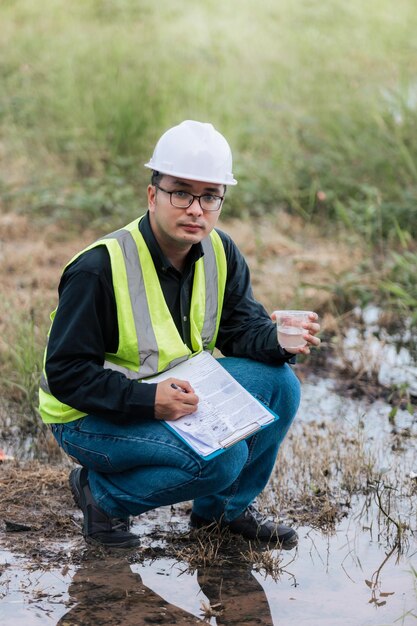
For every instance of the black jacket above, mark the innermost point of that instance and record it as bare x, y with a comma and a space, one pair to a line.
85, 327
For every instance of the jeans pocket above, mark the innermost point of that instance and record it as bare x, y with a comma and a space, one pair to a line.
76, 424
91, 459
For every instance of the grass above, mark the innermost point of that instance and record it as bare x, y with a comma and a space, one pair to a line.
336, 465
318, 101
21, 351
321, 119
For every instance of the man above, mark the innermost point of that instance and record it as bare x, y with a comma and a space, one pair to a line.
137, 302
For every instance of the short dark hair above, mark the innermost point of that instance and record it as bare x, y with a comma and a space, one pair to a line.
156, 177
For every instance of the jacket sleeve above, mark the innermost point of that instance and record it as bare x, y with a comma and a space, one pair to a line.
84, 328
246, 330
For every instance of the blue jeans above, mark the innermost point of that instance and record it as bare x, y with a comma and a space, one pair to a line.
139, 466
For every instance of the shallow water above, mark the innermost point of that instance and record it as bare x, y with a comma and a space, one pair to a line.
322, 583
390, 358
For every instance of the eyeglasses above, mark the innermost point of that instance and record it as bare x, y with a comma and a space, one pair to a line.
184, 199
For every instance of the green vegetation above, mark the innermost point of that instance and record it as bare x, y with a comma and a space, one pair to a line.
318, 101
21, 364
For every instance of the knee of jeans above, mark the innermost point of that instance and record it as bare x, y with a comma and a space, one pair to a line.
222, 471
293, 391
285, 397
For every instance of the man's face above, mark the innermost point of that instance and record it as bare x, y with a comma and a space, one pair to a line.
179, 228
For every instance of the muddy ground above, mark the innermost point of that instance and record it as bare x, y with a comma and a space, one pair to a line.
327, 484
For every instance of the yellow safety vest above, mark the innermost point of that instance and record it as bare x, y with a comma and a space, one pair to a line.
149, 341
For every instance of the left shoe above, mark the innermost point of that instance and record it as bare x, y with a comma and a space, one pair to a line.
251, 524
98, 527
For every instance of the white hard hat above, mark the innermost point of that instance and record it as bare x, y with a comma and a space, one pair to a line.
196, 151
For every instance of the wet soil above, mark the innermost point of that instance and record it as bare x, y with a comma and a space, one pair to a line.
335, 463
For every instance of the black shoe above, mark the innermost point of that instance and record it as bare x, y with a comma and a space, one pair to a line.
99, 528
253, 525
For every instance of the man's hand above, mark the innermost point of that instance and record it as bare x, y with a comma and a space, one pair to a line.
312, 329
171, 403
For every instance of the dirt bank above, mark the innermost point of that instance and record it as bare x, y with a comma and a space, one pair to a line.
283, 253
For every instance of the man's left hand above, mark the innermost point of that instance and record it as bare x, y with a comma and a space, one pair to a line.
312, 328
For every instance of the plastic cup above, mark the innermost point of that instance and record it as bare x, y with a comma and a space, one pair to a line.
289, 328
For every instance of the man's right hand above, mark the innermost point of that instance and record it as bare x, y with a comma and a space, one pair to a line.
171, 403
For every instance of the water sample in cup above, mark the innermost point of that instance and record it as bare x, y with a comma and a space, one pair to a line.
290, 329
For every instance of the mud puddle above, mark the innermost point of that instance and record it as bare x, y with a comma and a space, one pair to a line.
355, 565
344, 580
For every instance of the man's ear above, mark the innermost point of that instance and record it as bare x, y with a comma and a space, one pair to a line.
151, 197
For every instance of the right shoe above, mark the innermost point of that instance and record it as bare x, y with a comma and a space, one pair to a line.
251, 524
99, 528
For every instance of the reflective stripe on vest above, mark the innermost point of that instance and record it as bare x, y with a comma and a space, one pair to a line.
149, 341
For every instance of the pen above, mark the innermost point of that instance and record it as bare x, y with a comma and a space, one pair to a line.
174, 386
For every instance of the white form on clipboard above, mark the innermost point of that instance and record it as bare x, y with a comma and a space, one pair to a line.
226, 412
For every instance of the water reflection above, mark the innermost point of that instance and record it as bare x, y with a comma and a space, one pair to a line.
378, 597
106, 591
235, 595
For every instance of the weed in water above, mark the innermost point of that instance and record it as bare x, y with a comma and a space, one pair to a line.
209, 610
378, 596
268, 562
399, 398
335, 467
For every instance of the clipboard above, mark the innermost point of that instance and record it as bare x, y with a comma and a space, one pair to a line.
227, 443
227, 412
